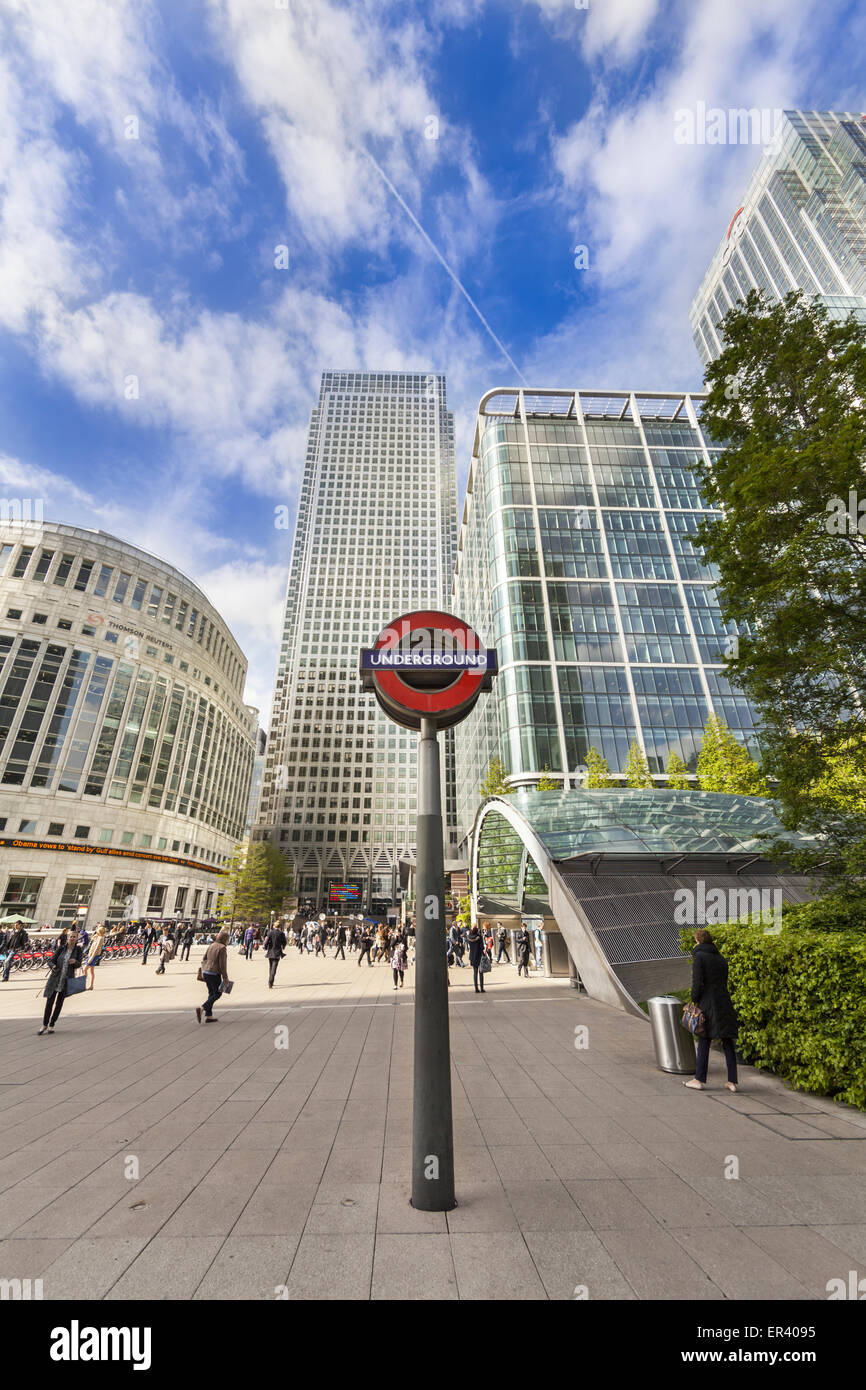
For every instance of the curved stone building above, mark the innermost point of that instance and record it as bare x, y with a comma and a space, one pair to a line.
126, 749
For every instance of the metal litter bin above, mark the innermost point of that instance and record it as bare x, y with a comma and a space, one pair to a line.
674, 1044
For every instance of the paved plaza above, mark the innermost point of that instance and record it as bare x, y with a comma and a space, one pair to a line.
269, 1171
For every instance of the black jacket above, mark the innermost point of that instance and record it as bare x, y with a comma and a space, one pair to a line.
710, 991
53, 982
524, 946
275, 944
476, 949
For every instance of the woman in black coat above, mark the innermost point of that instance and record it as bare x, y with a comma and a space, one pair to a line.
710, 993
64, 962
476, 951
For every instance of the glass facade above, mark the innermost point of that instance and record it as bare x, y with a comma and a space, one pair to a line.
92, 690
575, 563
801, 225
375, 537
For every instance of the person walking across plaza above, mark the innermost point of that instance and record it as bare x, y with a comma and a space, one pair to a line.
398, 961
275, 949
502, 940
366, 944
710, 993
476, 952
188, 938
214, 973
249, 942
95, 952
524, 950
16, 940
166, 950
63, 964
150, 935
340, 941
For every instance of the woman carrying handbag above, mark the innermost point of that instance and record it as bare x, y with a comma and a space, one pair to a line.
710, 996
65, 960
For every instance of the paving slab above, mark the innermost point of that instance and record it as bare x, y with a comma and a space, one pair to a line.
579, 1173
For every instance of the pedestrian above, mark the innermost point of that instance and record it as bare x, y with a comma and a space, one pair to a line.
188, 938
502, 937
476, 952
214, 973
366, 946
16, 940
64, 962
524, 951
488, 939
710, 993
398, 961
94, 955
275, 949
166, 950
249, 942
340, 941
150, 935
457, 944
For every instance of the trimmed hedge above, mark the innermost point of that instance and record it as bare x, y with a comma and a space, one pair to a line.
800, 998
830, 913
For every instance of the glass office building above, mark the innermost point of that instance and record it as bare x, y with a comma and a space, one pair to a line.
801, 224
375, 538
574, 561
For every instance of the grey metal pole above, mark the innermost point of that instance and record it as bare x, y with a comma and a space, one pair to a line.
432, 1129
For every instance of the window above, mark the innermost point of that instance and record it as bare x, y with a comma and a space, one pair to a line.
106, 836
63, 569
22, 895
40, 617
156, 901
154, 601
121, 587
82, 832
64, 624
55, 828
126, 837
27, 827
13, 613
22, 562
44, 564
100, 588
84, 575
75, 896
138, 594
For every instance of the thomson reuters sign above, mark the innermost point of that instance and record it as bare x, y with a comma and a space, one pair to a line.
427, 665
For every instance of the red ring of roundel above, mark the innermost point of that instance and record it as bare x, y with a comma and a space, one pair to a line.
429, 701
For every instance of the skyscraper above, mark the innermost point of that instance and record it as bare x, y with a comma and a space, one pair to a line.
375, 537
575, 564
800, 225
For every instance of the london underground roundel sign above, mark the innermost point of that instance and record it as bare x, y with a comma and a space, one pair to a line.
427, 665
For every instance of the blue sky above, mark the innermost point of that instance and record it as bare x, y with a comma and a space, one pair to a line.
154, 155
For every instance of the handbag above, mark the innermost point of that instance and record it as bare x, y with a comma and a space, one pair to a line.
200, 976
695, 1021
76, 986
486, 963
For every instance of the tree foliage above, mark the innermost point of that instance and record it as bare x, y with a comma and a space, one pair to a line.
786, 400
255, 882
724, 764
546, 783
637, 773
597, 771
677, 772
495, 783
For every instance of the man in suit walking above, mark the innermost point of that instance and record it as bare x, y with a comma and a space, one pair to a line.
275, 949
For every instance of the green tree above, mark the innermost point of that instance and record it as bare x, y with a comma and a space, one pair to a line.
724, 764
229, 884
637, 773
494, 783
786, 404
546, 783
677, 772
278, 878
253, 898
597, 770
